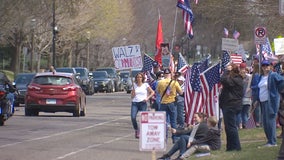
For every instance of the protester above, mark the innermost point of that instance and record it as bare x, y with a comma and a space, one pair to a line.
270, 83
246, 100
254, 94
180, 101
52, 69
281, 121
157, 97
168, 90
212, 140
140, 94
196, 132
231, 104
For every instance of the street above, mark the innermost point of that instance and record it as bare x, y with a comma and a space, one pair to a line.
105, 133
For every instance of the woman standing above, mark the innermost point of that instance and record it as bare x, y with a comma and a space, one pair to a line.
231, 104
140, 94
269, 85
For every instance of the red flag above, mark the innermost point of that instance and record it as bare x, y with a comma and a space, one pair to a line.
159, 40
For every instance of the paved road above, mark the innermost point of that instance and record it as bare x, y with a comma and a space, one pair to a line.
104, 134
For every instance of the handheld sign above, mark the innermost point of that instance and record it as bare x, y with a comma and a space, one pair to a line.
279, 46
152, 131
126, 57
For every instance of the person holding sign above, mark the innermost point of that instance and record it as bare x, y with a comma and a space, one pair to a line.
140, 94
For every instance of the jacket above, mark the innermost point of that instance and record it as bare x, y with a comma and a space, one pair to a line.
275, 86
212, 138
232, 91
200, 132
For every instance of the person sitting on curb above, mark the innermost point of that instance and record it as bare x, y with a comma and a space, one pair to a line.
198, 131
212, 141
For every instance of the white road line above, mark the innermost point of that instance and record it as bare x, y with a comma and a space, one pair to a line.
91, 146
62, 133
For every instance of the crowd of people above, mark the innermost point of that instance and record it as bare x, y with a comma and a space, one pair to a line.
246, 92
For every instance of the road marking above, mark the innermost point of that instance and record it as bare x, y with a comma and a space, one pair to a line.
62, 133
91, 146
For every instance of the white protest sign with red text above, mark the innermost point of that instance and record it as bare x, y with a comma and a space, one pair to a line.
127, 57
152, 131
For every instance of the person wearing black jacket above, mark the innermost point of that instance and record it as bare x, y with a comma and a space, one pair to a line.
182, 142
230, 102
212, 141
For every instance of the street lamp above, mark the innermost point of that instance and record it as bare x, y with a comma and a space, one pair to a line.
88, 49
33, 22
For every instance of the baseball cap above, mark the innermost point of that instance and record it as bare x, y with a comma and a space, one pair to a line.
265, 63
155, 64
167, 71
243, 65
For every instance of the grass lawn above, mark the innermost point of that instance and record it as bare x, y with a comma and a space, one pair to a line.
250, 140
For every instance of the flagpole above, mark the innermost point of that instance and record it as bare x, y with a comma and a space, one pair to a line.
173, 38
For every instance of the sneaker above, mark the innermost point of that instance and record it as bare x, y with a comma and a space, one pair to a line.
268, 145
164, 157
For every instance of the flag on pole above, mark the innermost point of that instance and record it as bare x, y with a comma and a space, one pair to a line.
226, 32
236, 34
226, 59
159, 40
267, 51
236, 58
210, 79
187, 16
182, 65
147, 63
192, 93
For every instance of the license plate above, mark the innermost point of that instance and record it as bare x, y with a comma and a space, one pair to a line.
50, 101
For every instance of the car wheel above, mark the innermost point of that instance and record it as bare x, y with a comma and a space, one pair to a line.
76, 112
2, 120
28, 112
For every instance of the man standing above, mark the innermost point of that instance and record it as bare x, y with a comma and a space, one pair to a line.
168, 90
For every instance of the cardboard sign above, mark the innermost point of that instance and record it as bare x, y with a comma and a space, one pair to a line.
229, 44
152, 131
279, 46
127, 57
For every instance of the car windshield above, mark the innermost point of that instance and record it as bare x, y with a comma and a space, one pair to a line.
99, 75
81, 72
52, 80
124, 74
110, 71
66, 70
24, 78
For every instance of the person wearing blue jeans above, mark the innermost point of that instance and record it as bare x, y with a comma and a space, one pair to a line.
269, 85
140, 94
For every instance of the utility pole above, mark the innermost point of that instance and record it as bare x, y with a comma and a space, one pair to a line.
54, 28
33, 21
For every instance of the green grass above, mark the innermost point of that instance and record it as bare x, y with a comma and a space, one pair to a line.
250, 140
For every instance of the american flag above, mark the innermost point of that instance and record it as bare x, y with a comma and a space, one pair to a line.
187, 16
236, 58
226, 59
226, 32
210, 89
182, 65
277, 68
236, 34
266, 51
147, 63
203, 65
192, 93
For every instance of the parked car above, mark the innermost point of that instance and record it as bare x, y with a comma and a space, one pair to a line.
113, 74
128, 82
21, 82
103, 82
66, 70
55, 92
86, 78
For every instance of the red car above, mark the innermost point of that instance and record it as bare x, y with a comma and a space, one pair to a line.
55, 92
